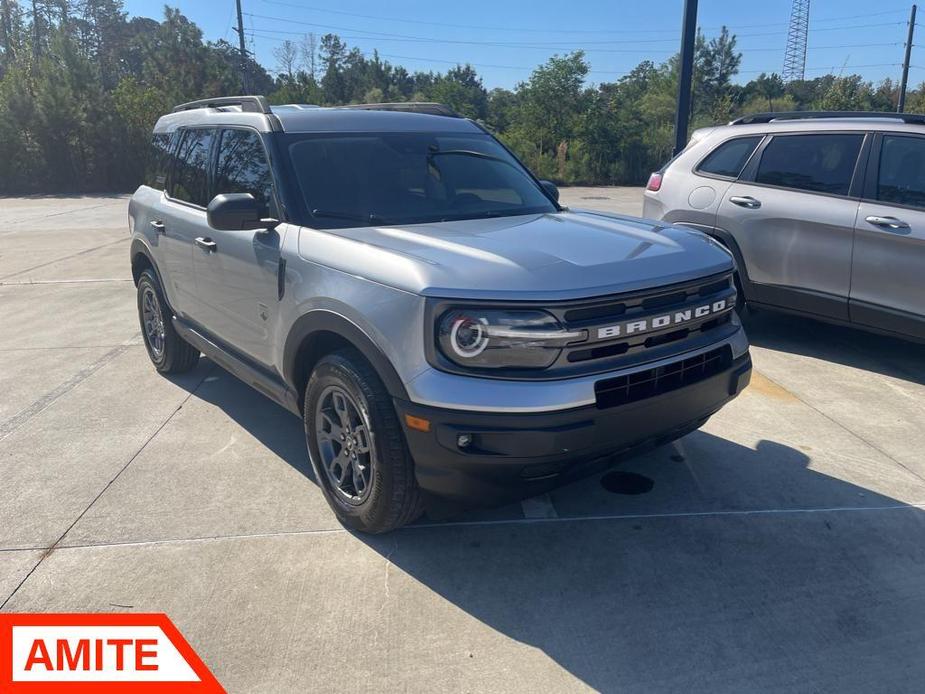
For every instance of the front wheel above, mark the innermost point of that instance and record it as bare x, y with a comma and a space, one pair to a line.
357, 447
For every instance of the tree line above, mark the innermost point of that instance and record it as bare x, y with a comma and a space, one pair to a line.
81, 86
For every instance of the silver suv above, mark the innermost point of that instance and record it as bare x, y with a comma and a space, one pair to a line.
447, 331
824, 212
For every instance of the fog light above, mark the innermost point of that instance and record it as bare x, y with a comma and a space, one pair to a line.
464, 440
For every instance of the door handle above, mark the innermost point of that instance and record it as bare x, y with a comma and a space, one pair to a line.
887, 222
206, 244
745, 201
158, 226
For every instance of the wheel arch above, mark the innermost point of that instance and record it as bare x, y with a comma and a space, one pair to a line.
320, 332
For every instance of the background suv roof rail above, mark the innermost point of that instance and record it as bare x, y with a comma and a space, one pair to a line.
251, 104
430, 108
799, 115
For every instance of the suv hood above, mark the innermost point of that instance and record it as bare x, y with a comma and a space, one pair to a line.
563, 255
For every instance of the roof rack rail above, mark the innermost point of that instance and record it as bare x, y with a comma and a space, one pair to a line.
916, 118
250, 104
427, 107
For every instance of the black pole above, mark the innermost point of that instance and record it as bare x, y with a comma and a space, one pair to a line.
242, 48
902, 87
688, 36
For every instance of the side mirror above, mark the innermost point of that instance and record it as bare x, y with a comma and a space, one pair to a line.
550, 189
235, 212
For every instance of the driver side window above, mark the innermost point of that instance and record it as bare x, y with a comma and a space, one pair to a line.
242, 167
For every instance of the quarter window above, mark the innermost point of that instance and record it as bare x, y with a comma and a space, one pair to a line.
902, 171
190, 172
729, 158
819, 163
158, 160
243, 167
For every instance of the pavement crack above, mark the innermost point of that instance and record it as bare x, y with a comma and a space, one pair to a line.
67, 257
48, 552
850, 432
42, 404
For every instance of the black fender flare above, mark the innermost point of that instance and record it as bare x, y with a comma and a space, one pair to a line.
325, 321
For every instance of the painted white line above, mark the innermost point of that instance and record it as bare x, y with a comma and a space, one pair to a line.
27, 282
539, 507
512, 521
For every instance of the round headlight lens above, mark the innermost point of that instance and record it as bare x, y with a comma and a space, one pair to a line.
502, 339
468, 336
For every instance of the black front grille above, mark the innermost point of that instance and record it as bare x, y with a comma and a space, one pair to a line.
640, 385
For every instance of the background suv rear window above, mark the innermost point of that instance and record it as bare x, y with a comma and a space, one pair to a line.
819, 163
902, 171
729, 158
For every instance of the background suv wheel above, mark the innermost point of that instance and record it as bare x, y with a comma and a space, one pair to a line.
169, 352
357, 447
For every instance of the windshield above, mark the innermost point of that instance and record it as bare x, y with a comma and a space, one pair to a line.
409, 178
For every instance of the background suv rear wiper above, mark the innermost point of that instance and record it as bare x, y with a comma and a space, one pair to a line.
368, 218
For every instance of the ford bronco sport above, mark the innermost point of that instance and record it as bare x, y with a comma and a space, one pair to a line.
447, 331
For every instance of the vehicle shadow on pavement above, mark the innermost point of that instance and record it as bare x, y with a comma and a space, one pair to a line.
748, 585
845, 345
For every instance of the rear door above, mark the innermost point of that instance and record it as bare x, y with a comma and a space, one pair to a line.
184, 216
237, 275
792, 215
888, 270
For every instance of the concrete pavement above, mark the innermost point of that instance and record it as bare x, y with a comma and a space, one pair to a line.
779, 548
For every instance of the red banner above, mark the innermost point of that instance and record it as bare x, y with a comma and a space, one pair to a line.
99, 652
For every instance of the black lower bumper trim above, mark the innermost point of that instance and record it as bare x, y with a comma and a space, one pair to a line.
488, 458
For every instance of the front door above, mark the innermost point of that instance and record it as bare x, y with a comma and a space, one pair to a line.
237, 271
888, 272
794, 222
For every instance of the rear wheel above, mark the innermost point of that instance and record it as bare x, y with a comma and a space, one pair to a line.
357, 447
169, 352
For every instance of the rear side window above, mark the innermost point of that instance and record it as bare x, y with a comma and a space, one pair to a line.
190, 179
729, 158
243, 167
902, 171
158, 160
818, 163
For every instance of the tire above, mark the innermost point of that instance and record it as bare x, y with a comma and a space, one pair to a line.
169, 352
359, 455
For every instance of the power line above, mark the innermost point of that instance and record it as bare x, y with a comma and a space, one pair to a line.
558, 30
532, 44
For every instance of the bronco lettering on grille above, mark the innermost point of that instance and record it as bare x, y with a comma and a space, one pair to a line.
649, 324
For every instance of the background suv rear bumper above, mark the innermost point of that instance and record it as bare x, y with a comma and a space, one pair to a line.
518, 455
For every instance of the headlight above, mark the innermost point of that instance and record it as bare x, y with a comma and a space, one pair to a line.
502, 339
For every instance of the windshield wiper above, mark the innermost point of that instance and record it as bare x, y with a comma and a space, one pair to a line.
368, 218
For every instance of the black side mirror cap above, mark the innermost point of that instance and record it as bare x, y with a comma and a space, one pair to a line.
551, 189
236, 212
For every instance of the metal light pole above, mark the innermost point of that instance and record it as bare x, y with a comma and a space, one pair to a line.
902, 86
688, 37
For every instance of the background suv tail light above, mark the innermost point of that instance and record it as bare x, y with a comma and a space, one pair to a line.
655, 182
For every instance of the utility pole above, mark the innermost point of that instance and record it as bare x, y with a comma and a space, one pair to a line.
902, 86
688, 36
242, 48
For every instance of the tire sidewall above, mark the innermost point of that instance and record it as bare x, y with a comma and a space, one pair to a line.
147, 280
374, 509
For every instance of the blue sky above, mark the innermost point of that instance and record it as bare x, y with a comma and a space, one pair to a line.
504, 40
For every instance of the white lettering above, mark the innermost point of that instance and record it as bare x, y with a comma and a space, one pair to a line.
635, 327
661, 321
701, 311
682, 316
611, 331
719, 305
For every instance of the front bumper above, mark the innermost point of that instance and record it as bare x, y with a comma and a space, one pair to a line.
517, 455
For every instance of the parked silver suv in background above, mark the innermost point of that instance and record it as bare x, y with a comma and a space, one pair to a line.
824, 212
